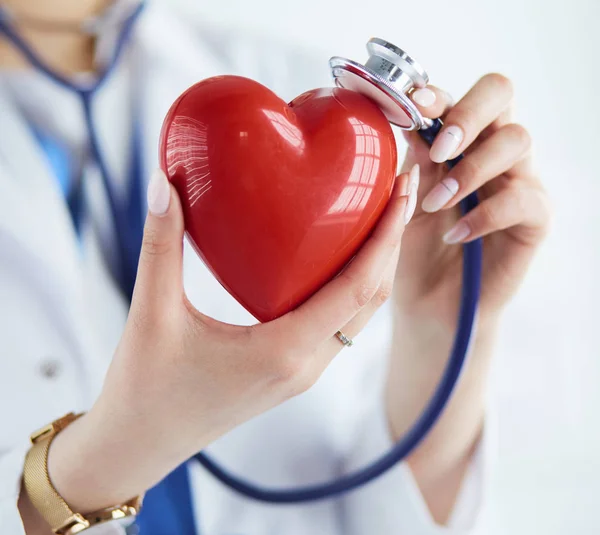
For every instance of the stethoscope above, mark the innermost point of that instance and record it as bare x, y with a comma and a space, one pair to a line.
387, 77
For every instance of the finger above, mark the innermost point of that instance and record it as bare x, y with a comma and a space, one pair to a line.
491, 158
358, 323
159, 276
421, 148
525, 166
506, 117
334, 305
486, 100
432, 101
526, 207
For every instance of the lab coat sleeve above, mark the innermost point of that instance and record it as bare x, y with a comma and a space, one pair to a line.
11, 473
394, 504
11, 470
29, 340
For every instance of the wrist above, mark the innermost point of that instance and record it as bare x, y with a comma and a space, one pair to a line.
426, 326
422, 344
94, 465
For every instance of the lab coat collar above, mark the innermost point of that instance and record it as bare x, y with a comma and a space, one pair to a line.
33, 212
168, 57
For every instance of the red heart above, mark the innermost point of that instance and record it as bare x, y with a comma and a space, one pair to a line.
277, 198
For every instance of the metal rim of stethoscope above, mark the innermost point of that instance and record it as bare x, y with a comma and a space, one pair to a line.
387, 77
392, 72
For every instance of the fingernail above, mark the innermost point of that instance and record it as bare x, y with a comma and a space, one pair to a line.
446, 143
159, 193
413, 189
424, 97
457, 233
439, 196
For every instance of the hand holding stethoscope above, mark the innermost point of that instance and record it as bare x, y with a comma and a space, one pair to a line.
513, 217
513, 212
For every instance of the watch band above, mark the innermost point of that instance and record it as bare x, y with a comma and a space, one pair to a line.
46, 499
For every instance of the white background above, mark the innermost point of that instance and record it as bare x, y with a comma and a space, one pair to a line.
548, 364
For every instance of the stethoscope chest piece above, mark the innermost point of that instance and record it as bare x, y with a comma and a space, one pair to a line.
386, 78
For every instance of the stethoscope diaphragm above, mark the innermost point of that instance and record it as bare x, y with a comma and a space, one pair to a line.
387, 78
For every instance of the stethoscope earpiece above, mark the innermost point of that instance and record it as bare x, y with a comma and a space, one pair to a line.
387, 78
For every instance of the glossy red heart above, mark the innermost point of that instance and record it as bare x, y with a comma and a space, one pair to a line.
277, 198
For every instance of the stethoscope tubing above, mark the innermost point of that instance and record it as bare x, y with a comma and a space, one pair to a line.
86, 94
471, 283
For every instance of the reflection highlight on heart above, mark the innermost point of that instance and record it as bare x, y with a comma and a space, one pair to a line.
188, 148
359, 187
291, 133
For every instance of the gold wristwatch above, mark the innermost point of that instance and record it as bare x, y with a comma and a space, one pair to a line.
46, 499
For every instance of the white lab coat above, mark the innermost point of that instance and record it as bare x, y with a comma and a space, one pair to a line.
61, 317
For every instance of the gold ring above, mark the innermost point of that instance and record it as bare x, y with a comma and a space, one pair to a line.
344, 339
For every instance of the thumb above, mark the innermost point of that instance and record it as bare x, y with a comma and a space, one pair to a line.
160, 270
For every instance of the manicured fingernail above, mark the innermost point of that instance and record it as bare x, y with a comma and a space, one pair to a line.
439, 196
446, 143
413, 189
424, 97
457, 233
159, 193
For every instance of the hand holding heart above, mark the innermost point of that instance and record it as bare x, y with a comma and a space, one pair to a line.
180, 379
